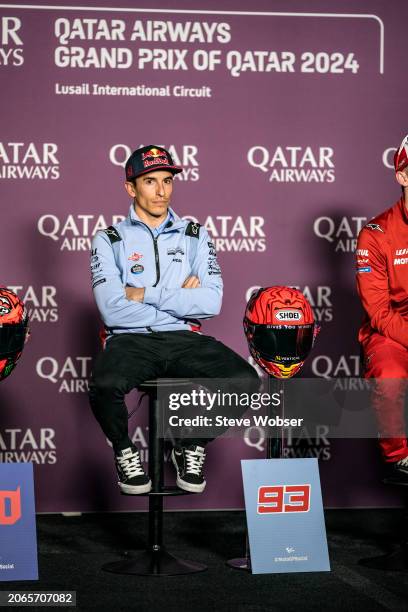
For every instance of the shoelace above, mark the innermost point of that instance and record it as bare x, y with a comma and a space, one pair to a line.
195, 461
131, 465
403, 462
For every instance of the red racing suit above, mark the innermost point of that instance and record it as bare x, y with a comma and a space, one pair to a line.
382, 284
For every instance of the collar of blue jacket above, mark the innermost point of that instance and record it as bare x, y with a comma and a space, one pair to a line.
176, 222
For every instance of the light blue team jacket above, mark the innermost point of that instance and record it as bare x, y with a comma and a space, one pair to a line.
132, 254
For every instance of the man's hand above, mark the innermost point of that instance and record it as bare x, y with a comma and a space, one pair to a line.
135, 293
191, 282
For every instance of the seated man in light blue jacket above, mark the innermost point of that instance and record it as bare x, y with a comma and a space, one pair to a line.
154, 276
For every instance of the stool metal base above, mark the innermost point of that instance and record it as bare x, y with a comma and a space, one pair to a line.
165, 491
240, 563
155, 560
396, 481
154, 563
394, 561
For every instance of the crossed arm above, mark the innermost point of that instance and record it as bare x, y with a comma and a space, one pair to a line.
150, 306
137, 293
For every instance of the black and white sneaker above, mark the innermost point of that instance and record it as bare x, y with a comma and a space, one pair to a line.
399, 471
132, 478
189, 461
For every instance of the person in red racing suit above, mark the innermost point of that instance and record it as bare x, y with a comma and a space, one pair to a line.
382, 283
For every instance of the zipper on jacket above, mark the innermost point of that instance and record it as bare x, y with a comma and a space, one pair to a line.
156, 259
156, 253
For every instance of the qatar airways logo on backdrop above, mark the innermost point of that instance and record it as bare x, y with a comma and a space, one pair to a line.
11, 51
320, 299
340, 232
71, 374
185, 156
346, 370
234, 234
29, 160
313, 441
388, 157
23, 445
74, 232
41, 302
294, 164
345, 366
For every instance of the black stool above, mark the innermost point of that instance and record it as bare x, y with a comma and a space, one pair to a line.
156, 560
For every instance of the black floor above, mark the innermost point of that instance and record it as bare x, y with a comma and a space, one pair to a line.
73, 549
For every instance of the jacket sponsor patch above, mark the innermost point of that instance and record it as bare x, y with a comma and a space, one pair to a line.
193, 229
375, 226
135, 257
137, 269
213, 267
364, 269
175, 251
98, 282
112, 234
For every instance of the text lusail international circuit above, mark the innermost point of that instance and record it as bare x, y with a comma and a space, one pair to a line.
94, 89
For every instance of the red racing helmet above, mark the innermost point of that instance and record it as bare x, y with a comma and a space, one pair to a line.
13, 330
280, 329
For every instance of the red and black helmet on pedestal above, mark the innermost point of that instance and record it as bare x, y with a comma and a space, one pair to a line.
13, 330
280, 328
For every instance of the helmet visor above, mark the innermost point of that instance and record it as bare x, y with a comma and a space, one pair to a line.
12, 338
287, 343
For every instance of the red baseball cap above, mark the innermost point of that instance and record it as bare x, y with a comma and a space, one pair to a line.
401, 156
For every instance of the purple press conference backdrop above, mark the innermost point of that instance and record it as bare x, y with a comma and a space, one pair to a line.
285, 122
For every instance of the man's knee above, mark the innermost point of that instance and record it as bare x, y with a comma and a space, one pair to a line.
244, 378
390, 381
243, 369
386, 369
107, 385
383, 359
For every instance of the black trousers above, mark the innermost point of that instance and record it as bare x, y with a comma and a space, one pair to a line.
130, 359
